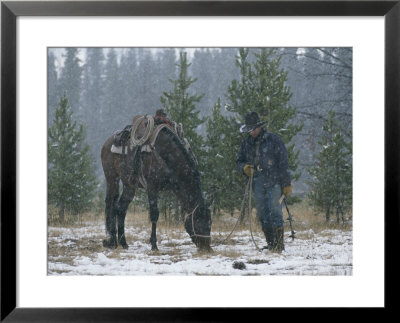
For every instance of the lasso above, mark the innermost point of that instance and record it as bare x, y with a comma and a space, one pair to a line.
248, 194
149, 129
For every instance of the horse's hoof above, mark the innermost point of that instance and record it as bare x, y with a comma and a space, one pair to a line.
153, 243
109, 243
206, 250
123, 243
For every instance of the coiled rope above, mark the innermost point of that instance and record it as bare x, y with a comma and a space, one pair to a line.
149, 129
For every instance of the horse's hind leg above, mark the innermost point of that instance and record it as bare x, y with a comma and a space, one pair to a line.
154, 218
123, 203
111, 212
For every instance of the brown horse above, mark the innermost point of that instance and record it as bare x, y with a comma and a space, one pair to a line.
167, 165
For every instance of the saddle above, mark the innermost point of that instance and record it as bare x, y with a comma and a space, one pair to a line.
120, 140
122, 136
137, 138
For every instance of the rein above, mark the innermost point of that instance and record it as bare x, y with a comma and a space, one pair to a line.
248, 194
250, 208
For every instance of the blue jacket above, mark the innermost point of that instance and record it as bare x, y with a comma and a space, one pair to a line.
272, 161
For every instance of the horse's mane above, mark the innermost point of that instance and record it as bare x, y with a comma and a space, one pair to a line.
188, 157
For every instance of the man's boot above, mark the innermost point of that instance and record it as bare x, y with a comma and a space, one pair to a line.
279, 242
269, 237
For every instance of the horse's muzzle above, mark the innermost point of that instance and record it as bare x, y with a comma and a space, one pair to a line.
203, 244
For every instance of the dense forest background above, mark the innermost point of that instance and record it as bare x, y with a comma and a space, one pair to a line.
106, 87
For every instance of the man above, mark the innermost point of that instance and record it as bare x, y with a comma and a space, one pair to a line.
264, 154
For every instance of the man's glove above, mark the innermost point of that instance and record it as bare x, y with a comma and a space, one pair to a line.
247, 169
287, 190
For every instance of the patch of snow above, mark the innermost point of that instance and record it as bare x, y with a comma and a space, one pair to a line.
326, 253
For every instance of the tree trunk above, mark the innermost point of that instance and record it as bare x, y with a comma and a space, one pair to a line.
177, 215
61, 212
242, 215
327, 214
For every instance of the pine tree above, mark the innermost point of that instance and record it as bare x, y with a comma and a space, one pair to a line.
51, 87
91, 98
129, 71
71, 180
147, 97
164, 69
70, 79
180, 105
331, 185
221, 179
113, 92
262, 88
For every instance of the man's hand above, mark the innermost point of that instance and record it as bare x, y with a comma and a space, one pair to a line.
287, 190
247, 169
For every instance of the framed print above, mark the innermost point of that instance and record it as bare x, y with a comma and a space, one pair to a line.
57, 262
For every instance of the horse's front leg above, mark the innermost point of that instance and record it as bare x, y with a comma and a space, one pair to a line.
111, 213
123, 203
154, 213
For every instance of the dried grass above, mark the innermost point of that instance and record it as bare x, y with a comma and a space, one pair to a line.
304, 218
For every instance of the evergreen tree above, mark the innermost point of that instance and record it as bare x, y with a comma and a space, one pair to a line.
331, 185
111, 102
71, 181
221, 180
180, 106
70, 79
262, 89
164, 70
129, 77
91, 98
214, 68
147, 97
51, 87
201, 69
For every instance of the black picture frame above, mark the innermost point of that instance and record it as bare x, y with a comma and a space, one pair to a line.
10, 10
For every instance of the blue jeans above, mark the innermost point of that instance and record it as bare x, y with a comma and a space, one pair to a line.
269, 211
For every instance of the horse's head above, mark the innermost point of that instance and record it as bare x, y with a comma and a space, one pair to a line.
198, 225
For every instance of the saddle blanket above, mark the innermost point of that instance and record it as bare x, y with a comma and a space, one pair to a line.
123, 150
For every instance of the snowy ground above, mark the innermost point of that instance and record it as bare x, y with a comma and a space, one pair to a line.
79, 251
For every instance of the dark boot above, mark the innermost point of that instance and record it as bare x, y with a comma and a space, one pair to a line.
269, 237
279, 241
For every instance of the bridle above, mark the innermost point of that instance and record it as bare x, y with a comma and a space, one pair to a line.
194, 232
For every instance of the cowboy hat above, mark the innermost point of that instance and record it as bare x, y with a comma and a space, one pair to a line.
251, 122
